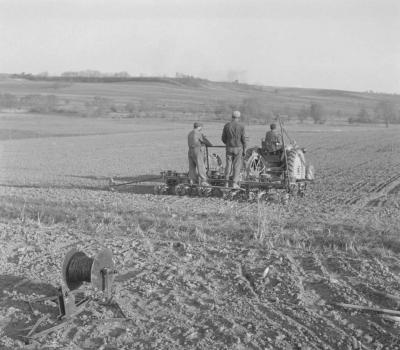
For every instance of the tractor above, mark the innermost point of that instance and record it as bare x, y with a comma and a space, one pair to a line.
264, 174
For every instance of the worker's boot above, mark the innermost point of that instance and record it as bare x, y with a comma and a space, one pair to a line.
235, 186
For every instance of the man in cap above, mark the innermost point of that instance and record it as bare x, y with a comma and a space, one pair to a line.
233, 136
273, 140
196, 142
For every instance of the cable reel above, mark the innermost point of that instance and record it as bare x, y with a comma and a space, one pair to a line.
78, 268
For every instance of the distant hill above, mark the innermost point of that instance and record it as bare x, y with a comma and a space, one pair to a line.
189, 98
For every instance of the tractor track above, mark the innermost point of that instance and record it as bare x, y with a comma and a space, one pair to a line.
384, 186
361, 184
395, 190
337, 172
371, 199
318, 280
349, 195
343, 195
377, 202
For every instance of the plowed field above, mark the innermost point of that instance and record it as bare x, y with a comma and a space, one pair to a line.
198, 273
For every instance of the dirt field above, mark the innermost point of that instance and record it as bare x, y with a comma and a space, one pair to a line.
198, 273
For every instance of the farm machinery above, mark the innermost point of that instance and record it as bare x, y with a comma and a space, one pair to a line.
265, 175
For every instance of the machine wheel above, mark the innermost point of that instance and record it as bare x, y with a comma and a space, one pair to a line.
296, 165
217, 192
180, 190
301, 191
111, 184
205, 191
310, 172
273, 198
285, 198
251, 196
228, 195
262, 196
254, 164
160, 189
234, 194
192, 191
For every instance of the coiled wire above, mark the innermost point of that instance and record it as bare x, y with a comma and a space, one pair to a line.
79, 268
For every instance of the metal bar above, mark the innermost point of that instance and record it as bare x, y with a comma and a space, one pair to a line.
36, 300
37, 324
263, 185
208, 162
52, 329
137, 181
284, 150
120, 310
367, 308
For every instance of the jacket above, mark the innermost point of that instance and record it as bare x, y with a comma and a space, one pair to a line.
196, 139
233, 135
273, 141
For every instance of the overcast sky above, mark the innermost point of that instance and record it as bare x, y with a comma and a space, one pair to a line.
339, 44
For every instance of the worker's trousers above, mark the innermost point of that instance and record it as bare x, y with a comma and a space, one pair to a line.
197, 169
234, 160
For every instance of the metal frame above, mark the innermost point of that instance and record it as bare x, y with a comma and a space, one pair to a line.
286, 164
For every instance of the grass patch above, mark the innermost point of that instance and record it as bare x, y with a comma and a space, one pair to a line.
266, 226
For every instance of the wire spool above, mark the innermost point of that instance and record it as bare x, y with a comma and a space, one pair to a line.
79, 268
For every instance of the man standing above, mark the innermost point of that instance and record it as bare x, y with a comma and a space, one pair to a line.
196, 141
273, 140
233, 136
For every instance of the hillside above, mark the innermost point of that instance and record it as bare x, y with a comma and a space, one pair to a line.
185, 98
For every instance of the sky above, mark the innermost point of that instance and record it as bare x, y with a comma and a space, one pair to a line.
332, 44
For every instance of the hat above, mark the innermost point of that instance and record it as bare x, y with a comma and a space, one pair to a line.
273, 126
236, 114
197, 125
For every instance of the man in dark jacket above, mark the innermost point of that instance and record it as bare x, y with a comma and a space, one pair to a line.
273, 140
196, 142
233, 136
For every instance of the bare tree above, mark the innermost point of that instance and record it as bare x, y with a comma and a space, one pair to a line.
8, 100
302, 115
386, 111
317, 113
221, 109
251, 108
363, 116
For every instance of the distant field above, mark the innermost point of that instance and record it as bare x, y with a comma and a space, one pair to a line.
200, 273
54, 150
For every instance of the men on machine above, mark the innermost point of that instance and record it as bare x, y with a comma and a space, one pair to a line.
196, 143
233, 136
273, 140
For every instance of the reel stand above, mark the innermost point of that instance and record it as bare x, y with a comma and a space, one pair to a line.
78, 268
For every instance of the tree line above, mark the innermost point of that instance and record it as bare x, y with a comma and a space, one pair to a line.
253, 108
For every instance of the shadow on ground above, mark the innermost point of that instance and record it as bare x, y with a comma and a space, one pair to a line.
18, 315
135, 188
137, 178
141, 184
